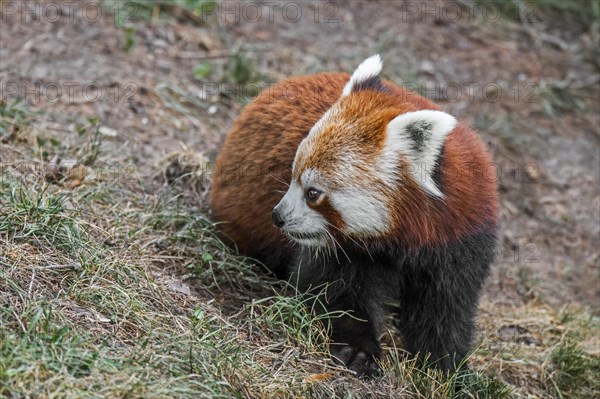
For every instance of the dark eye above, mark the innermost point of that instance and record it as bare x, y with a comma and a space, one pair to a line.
312, 194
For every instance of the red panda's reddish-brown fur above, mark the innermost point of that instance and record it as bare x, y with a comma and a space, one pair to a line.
254, 166
330, 160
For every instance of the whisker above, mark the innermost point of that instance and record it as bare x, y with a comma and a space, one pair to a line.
364, 244
342, 233
335, 242
339, 245
328, 247
279, 179
366, 248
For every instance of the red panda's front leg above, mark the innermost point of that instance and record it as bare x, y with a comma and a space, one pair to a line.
350, 293
355, 334
439, 294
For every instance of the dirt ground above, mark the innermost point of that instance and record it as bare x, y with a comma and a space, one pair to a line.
532, 90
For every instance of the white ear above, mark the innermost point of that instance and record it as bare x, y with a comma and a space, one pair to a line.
368, 70
420, 136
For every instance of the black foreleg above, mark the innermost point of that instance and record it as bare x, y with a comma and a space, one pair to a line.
355, 303
438, 303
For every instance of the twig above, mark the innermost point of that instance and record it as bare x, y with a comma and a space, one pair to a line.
31, 284
74, 266
188, 14
18, 319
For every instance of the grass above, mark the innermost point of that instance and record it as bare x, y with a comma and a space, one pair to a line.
191, 236
558, 100
428, 383
15, 117
42, 220
575, 372
586, 11
86, 320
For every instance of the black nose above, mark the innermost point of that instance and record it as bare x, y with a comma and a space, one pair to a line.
277, 219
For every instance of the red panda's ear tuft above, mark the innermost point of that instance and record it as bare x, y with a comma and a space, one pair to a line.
420, 137
366, 76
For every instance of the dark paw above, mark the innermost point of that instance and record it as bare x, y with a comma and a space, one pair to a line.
363, 363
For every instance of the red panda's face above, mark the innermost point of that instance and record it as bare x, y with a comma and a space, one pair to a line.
302, 212
348, 171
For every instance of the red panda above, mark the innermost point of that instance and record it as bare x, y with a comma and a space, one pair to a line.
356, 188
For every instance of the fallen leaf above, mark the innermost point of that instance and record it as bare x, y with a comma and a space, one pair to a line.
311, 379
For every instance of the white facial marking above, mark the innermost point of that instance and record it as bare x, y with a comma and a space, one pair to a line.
419, 136
369, 68
310, 178
303, 224
363, 210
